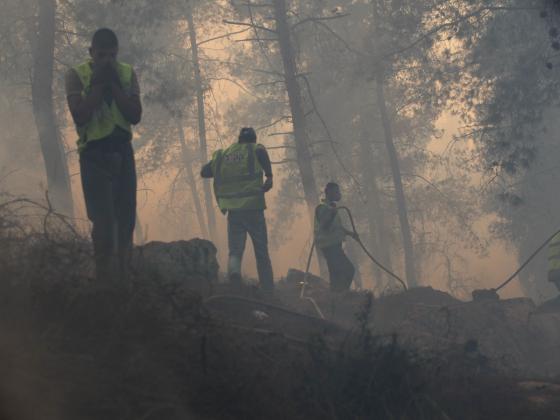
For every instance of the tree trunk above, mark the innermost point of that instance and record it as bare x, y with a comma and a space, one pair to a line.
378, 235
58, 180
190, 179
208, 198
140, 235
303, 153
410, 266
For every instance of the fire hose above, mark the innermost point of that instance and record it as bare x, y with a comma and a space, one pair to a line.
533, 255
364, 248
371, 257
501, 286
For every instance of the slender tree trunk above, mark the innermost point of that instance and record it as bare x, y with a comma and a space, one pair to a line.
58, 180
303, 153
191, 180
379, 237
410, 266
208, 198
140, 235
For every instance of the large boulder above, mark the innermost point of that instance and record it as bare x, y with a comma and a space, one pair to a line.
193, 263
510, 333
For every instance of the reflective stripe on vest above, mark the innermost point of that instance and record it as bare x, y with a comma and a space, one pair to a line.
335, 234
238, 178
554, 254
107, 117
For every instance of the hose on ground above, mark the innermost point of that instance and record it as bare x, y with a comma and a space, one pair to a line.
259, 303
401, 281
359, 241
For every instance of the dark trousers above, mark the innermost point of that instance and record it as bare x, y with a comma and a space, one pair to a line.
109, 182
252, 222
341, 269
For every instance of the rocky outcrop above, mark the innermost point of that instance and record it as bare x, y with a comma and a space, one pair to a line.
511, 333
192, 263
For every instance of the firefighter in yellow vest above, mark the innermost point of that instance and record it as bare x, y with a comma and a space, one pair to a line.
104, 100
330, 234
554, 261
242, 175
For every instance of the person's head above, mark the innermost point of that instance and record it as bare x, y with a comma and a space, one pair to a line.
247, 135
332, 192
104, 47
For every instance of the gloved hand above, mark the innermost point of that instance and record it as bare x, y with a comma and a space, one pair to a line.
267, 186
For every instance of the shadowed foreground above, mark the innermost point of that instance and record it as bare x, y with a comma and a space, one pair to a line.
158, 348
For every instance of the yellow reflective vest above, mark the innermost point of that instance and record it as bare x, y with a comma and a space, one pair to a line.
334, 234
108, 116
238, 178
554, 254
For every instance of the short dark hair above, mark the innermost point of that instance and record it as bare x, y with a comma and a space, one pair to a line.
331, 186
104, 38
247, 135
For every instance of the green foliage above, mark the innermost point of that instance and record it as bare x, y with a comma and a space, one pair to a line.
344, 55
508, 97
495, 65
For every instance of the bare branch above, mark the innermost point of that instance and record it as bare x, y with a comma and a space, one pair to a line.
318, 19
329, 135
223, 36
455, 22
257, 40
261, 44
288, 133
342, 40
67, 221
272, 83
279, 120
236, 83
264, 28
250, 4
283, 162
280, 147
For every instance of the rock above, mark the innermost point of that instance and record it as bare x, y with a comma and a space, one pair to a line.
510, 333
550, 306
392, 310
191, 263
485, 294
